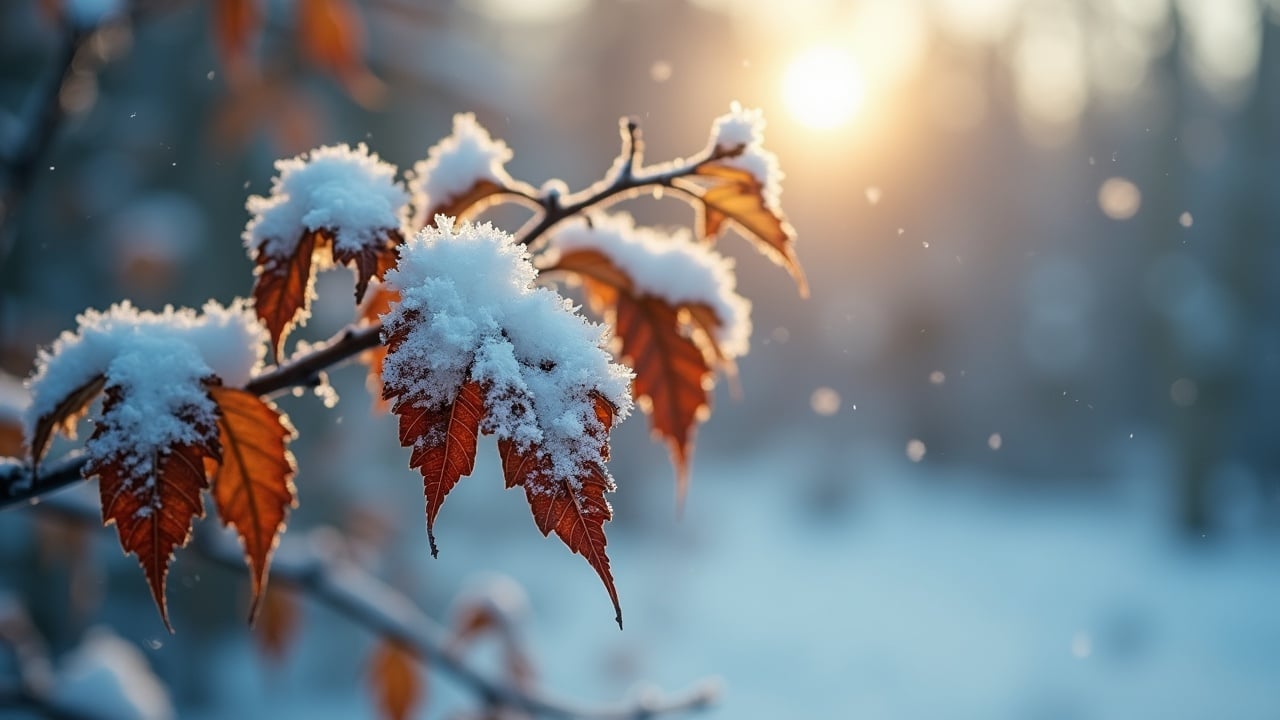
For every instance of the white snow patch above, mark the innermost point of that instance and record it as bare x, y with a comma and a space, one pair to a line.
745, 128
157, 361
106, 677
455, 164
468, 298
348, 191
669, 266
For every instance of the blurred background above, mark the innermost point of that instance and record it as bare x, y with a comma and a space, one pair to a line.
1016, 457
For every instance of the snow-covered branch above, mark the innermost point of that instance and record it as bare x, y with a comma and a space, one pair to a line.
622, 181
17, 485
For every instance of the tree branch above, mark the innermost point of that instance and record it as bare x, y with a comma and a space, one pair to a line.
621, 182
17, 485
369, 602
20, 166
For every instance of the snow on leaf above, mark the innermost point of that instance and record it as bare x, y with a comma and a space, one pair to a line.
397, 685
742, 186
670, 312
572, 507
474, 344
460, 172
153, 496
443, 439
253, 485
337, 198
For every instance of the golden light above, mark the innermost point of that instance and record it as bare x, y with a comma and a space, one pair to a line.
823, 87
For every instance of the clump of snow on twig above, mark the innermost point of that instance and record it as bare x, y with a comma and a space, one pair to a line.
455, 165
744, 128
157, 361
472, 311
668, 266
347, 191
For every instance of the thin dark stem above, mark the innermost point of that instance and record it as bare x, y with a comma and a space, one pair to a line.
623, 181
17, 485
43, 127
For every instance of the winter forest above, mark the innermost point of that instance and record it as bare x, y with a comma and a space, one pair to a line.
630, 359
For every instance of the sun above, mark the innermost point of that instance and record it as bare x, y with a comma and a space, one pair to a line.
823, 87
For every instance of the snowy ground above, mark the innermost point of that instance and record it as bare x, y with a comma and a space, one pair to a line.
919, 596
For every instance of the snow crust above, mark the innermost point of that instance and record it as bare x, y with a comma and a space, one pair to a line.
106, 677
468, 299
349, 191
670, 266
455, 164
158, 362
745, 128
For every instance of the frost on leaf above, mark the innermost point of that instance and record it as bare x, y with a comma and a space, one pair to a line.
675, 314
743, 188
460, 172
397, 685
335, 198
474, 345
573, 507
158, 424
150, 493
253, 485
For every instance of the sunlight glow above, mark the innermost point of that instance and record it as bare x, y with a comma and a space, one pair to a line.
823, 87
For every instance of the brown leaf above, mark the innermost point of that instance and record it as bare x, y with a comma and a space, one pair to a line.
331, 34
236, 25
574, 509
63, 418
153, 503
397, 685
282, 288
672, 374
443, 439
466, 202
370, 262
735, 195
671, 348
253, 487
277, 622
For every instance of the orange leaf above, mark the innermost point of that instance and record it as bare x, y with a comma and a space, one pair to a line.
672, 374
673, 367
331, 34
443, 442
282, 288
236, 23
394, 679
253, 487
469, 201
153, 503
277, 622
574, 509
370, 262
64, 417
737, 196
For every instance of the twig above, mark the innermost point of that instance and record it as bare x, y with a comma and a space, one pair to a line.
20, 166
622, 181
369, 602
17, 485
